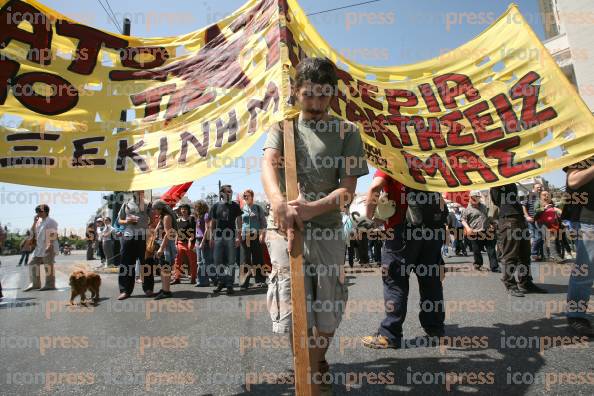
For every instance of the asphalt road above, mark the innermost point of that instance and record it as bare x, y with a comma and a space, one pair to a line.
197, 344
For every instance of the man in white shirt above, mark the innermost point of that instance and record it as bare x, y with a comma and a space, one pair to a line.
45, 230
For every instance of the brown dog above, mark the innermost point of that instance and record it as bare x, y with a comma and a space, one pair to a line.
80, 282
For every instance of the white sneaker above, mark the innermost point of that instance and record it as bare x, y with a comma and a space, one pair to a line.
31, 287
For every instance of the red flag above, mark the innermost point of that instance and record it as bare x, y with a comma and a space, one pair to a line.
175, 193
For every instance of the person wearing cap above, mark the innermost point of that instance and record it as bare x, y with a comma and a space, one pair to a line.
45, 230
186, 237
479, 229
513, 239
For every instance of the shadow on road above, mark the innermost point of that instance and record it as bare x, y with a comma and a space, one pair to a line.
463, 367
190, 294
21, 302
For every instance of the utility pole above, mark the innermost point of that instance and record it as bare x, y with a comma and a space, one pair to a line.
127, 25
118, 196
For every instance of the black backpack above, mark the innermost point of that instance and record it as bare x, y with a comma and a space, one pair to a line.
424, 209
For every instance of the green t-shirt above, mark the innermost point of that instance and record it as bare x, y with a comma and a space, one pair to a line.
326, 152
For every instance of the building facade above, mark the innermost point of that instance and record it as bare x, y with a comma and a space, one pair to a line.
569, 33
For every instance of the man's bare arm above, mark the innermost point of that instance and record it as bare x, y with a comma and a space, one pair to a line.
270, 179
373, 195
577, 178
285, 217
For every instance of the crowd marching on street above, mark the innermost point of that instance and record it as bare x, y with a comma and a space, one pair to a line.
401, 229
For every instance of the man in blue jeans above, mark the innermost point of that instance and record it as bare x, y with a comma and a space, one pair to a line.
225, 230
413, 244
580, 189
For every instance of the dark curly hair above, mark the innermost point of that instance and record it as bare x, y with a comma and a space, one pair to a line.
317, 71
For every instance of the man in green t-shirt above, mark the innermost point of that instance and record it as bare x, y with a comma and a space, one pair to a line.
330, 158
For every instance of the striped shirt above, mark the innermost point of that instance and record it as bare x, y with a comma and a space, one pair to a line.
529, 203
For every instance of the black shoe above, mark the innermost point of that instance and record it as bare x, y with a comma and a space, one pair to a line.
477, 267
531, 288
244, 286
218, 289
435, 332
496, 270
230, 291
163, 294
514, 291
581, 326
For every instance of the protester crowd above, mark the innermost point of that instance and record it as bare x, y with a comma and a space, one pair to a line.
184, 242
552, 238
402, 229
208, 253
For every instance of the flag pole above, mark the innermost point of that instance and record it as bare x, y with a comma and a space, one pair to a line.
301, 362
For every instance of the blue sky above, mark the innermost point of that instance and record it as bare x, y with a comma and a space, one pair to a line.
421, 30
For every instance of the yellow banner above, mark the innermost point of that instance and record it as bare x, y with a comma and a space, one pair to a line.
193, 102
493, 111
496, 110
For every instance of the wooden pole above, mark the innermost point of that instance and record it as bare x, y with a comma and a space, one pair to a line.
301, 364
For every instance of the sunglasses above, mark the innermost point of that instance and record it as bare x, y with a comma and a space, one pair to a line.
247, 196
